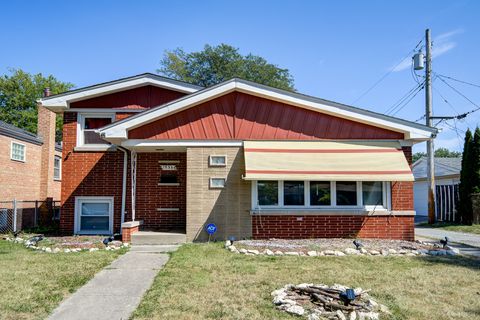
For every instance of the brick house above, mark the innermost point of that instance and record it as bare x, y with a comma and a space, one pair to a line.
30, 166
151, 153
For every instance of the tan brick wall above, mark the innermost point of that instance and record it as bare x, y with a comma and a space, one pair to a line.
19, 180
46, 130
228, 208
56, 187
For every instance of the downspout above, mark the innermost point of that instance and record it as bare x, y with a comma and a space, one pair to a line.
124, 185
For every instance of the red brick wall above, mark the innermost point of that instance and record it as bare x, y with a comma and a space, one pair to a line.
87, 174
151, 196
333, 226
402, 192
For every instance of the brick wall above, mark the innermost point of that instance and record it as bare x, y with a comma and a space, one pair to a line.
151, 196
228, 208
332, 226
87, 174
46, 131
22, 178
402, 192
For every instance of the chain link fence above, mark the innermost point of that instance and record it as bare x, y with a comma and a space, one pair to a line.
17, 215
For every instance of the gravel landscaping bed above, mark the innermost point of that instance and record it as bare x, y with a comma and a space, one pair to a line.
339, 247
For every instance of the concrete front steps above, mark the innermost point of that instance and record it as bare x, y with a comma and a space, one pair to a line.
158, 238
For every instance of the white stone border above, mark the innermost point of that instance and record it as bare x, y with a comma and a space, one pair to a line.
447, 251
29, 245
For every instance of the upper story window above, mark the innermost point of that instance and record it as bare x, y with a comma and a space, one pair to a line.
87, 124
17, 151
57, 168
218, 161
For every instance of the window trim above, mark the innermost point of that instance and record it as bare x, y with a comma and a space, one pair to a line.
211, 186
81, 127
333, 198
24, 151
59, 178
93, 199
212, 164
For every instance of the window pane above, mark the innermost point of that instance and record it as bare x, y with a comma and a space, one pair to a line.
372, 193
319, 193
18, 152
217, 183
267, 193
91, 137
96, 123
217, 160
95, 209
56, 167
346, 193
293, 193
168, 178
94, 223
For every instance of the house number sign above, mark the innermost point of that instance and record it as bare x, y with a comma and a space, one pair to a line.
169, 167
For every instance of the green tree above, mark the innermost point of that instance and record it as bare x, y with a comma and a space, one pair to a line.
19, 92
215, 64
475, 161
439, 153
466, 181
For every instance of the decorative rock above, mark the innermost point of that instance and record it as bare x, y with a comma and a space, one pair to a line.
232, 248
49, 250
269, 252
339, 253
313, 316
340, 315
384, 252
374, 252
453, 252
279, 253
392, 251
372, 303
368, 315
67, 250
363, 251
292, 253
243, 250
352, 316
321, 253
56, 250
228, 243
329, 252
351, 251
278, 292
295, 310
108, 248
93, 249
255, 252
422, 251
125, 244
402, 251
357, 291
312, 253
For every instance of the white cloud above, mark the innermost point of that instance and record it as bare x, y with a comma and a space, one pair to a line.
441, 45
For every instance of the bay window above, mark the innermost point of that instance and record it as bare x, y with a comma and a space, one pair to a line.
319, 195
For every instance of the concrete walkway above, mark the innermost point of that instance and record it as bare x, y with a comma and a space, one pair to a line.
467, 243
115, 292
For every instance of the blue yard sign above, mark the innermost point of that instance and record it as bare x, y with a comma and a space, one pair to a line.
211, 228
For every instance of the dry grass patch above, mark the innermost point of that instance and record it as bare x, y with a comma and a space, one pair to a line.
205, 281
33, 283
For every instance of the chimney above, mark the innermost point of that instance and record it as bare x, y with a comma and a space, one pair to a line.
46, 131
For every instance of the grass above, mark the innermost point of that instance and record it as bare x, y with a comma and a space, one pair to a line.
475, 228
33, 283
205, 281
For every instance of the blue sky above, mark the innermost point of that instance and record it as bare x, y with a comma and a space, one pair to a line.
334, 49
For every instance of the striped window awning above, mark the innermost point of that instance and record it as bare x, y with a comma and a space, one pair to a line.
326, 160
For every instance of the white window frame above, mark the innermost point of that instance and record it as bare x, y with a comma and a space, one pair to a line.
213, 164
59, 178
92, 199
386, 205
24, 151
81, 128
217, 187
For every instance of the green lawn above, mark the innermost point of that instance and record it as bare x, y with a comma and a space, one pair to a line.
33, 283
455, 227
205, 281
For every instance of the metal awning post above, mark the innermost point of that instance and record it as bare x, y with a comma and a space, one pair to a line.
134, 180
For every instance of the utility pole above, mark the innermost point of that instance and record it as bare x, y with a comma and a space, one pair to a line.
429, 122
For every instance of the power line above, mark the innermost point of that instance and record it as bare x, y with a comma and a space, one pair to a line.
458, 92
406, 96
461, 81
407, 102
388, 73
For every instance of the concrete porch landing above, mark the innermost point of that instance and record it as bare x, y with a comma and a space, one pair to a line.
158, 238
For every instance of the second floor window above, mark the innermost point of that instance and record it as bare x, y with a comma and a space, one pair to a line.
88, 125
57, 165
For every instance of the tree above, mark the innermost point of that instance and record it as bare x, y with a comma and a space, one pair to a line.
475, 161
19, 93
439, 153
466, 181
215, 64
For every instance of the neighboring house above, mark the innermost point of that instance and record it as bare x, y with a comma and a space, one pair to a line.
256, 161
30, 166
447, 179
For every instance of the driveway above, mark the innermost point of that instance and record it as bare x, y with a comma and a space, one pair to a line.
467, 243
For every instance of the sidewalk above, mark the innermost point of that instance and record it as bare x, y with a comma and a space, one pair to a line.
467, 243
115, 292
